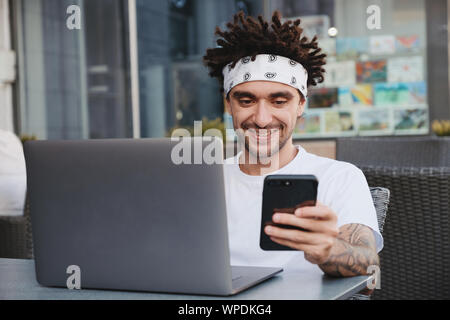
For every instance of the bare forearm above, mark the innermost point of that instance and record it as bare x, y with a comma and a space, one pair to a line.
344, 253
348, 260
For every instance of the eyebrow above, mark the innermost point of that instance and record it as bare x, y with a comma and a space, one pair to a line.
281, 94
243, 94
246, 94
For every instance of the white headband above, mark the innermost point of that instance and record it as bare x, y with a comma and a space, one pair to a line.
266, 67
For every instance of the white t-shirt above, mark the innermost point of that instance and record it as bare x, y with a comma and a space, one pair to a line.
342, 187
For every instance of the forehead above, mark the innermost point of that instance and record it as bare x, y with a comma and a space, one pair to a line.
263, 88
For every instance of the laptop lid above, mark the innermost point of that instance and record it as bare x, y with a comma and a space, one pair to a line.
128, 215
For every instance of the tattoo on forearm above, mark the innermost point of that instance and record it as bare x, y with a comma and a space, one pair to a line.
353, 253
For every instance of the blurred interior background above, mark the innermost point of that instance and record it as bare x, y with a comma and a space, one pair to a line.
134, 68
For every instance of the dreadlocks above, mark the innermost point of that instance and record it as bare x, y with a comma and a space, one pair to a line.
249, 37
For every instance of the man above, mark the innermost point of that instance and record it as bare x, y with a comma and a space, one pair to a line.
265, 71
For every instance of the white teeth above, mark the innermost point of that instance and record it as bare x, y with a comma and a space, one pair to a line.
263, 133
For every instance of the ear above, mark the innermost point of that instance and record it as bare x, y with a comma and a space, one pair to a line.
301, 107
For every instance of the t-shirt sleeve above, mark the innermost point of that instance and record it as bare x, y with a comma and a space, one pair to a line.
347, 194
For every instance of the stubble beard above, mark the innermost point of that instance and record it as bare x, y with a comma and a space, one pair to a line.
264, 153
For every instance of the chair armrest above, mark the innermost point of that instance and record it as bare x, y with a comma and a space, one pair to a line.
15, 236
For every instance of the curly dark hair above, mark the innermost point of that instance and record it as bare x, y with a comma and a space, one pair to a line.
249, 37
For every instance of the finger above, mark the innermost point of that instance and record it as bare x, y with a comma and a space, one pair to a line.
296, 236
319, 204
293, 245
321, 212
308, 224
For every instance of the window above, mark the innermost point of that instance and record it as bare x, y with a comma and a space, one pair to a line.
72, 83
7, 69
76, 84
175, 88
375, 82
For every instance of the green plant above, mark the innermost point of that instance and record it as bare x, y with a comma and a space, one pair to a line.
441, 127
206, 125
25, 137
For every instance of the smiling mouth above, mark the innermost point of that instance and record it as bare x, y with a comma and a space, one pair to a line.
262, 136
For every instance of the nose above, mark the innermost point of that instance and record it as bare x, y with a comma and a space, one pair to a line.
263, 114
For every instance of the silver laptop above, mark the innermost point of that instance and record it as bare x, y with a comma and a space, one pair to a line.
130, 218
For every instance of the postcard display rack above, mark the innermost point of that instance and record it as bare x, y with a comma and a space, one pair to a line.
373, 86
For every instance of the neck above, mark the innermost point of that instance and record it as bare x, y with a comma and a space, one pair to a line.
256, 167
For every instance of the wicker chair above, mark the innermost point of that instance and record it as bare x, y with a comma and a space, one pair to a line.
15, 236
380, 198
416, 254
395, 151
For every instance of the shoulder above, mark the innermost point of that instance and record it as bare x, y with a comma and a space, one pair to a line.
231, 167
231, 160
11, 152
9, 140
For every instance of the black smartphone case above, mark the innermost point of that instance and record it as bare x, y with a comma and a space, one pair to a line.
279, 196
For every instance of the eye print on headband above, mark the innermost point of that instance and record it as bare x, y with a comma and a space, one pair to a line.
231, 86
272, 58
247, 76
270, 75
292, 63
246, 60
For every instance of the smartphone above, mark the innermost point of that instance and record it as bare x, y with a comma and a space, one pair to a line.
285, 193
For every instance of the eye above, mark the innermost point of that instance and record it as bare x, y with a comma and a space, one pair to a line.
245, 101
280, 102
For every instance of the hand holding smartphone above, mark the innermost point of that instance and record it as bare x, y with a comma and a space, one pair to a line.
285, 193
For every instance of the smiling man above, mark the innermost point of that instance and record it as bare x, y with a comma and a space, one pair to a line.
265, 71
